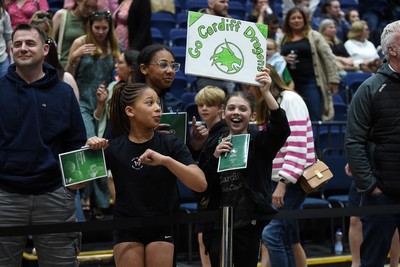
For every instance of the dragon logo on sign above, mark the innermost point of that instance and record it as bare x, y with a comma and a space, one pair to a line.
228, 58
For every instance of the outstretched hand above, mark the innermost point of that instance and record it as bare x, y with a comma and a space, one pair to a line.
96, 142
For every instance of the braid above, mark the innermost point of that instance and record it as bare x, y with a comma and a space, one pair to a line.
124, 94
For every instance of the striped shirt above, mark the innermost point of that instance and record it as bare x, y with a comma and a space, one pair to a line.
298, 151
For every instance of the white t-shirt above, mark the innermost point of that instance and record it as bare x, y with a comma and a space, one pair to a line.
361, 51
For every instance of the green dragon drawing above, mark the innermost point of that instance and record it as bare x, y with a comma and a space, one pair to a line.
227, 58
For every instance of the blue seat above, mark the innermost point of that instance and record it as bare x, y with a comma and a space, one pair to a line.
164, 21
329, 135
237, 10
181, 20
178, 7
188, 204
156, 36
340, 111
55, 5
179, 85
353, 80
196, 5
192, 110
179, 53
177, 37
188, 97
336, 191
347, 4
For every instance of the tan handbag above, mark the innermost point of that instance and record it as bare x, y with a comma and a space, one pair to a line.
315, 176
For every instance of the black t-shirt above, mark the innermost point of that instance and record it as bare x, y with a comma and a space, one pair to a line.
144, 190
304, 68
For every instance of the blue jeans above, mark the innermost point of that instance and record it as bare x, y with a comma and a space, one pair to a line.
3, 68
58, 206
311, 94
90, 123
378, 231
280, 235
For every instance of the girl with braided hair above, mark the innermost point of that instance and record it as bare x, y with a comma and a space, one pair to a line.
145, 164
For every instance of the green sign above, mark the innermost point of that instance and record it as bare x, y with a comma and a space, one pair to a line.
82, 165
177, 124
237, 157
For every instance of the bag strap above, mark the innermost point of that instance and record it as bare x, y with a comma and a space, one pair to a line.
61, 31
37, 5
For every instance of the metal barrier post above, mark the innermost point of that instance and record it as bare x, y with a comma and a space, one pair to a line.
227, 230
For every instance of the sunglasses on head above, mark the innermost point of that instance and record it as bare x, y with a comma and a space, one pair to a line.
101, 14
43, 15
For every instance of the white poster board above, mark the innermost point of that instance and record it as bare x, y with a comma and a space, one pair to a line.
225, 48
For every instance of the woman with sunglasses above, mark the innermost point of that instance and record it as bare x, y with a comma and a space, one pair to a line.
91, 62
157, 68
69, 24
21, 11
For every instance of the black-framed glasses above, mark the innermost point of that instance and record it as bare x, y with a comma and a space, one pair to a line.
101, 14
163, 65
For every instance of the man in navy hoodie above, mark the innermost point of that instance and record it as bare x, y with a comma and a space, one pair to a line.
40, 118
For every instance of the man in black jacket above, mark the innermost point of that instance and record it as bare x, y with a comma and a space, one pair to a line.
373, 148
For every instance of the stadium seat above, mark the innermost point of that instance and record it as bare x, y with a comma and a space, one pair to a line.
196, 5
237, 10
179, 85
163, 21
156, 36
177, 37
179, 53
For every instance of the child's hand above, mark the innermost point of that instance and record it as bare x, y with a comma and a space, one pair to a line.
163, 128
101, 94
224, 147
97, 143
264, 78
152, 158
199, 134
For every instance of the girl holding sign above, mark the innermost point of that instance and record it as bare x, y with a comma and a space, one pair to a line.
247, 190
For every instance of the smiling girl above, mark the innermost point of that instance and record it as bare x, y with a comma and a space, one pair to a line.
247, 190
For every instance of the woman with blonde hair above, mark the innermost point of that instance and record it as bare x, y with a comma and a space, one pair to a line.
344, 62
362, 51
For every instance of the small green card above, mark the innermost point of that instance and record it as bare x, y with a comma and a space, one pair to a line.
237, 157
177, 122
82, 165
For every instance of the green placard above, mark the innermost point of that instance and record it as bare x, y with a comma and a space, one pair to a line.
177, 122
82, 165
237, 157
